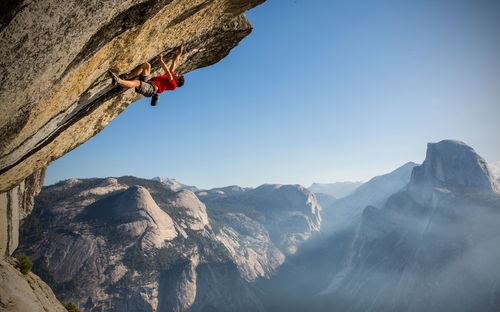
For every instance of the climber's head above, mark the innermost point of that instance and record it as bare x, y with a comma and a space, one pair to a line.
180, 81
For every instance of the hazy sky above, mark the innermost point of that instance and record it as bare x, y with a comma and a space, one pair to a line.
321, 91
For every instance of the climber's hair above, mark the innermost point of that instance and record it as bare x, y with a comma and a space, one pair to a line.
180, 81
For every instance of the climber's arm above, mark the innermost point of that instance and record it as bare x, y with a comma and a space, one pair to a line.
165, 68
176, 59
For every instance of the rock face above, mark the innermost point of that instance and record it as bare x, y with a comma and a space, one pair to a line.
15, 205
432, 246
248, 242
290, 212
24, 292
59, 95
193, 208
129, 244
146, 221
454, 166
310, 270
54, 91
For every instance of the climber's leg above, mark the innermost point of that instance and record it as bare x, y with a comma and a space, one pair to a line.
128, 83
142, 70
124, 83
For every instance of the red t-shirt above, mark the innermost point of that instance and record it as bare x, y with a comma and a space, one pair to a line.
163, 84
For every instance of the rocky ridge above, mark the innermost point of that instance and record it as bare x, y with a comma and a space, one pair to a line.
58, 95
405, 246
337, 189
431, 246
454, 166
129, 244
309, 271
291, 212
64, 95
346, 211
175, 185
25, 292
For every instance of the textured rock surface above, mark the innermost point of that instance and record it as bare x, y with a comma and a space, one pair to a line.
247, 241
55, 92
455, 166
146, 221
129, 244
28, 292
14, 206
187, 202
290, 212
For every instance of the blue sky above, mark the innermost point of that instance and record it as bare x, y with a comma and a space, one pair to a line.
321, 91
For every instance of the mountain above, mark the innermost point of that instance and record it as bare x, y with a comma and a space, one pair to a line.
221, 192
290, 212
433, 246
310, 270
346, 212
337, 189
495, 169
175, 185
454, 166
325, 200
130, 244
68, 96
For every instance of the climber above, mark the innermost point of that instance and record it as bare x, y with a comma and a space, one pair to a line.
155, 85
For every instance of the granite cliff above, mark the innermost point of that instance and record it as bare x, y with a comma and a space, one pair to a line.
54, 91
129, 244
421, 238
431, 246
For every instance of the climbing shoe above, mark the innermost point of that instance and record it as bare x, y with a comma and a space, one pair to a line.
114, 77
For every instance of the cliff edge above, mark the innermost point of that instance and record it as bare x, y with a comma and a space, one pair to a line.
55, 93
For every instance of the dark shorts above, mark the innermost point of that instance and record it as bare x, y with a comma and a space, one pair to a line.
147, 88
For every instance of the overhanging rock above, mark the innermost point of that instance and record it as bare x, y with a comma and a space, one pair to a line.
55, 93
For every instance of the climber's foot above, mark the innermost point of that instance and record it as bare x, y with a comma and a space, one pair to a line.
114, 76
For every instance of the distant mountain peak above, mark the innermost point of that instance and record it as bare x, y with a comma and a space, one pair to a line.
175, 185
337, 189
347, 211
455, 166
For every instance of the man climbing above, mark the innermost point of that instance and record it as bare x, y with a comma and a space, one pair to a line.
155, 85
